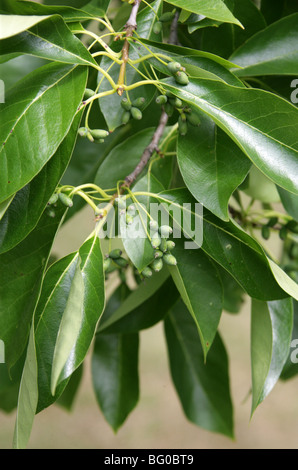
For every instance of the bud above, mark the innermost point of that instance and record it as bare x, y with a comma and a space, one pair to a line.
161, 99
265, 232
168, 16
193, 119
165, 231
136, 113
272, 221
182, 125
163, 245
125, 117
53, 199
83, 131
99, 133
129, 219
157, 27
67, 201
157, 265
174, 67
88, 93
158, 254
176, 102
139, 102
170, 259
121, 262
156, 240
181, 78
131, 209
153, 224
147, 272
170, 245
115, 254
126, 105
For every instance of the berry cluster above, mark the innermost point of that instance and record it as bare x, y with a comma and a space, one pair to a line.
52, 203
291, 226
166, 17
132, 109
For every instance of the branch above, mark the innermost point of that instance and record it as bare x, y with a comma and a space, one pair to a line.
149, 150
173, 38
130, 27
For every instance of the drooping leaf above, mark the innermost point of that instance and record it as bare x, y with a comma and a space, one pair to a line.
233, 294
272, 51
291, 366
215, 9
115, 375
212, 166
203, 388
29, 202
10, 25
271, 332
50, 39
21, 272
200, 287
289, 201
31, 127
270, 143
66, 400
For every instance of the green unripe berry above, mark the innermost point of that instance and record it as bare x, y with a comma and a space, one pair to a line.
139, 102
193, 119
153, 224
265, 232
83, 131
99, 133
169, 109
161, 99
158, 254
136, 113
126, 105
125, 117
131, 209
283, 233
182, 126
66, 200
272, 221
173, 67
157, 27
147, 272
165, 231
157, 265
167, 16
121, 262
176, 102
292, 225
129, 219
88, 93
155, 240
53, 199
170, 259
181, 78
115, 254
170, 245
107, 264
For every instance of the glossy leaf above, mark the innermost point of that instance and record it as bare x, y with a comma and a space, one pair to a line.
200, 287
29, 202
14, 24
203, 388
289, 201
271, 332
66, 400
21, 273
270, 143
50, 39
233, 294
110, 105
215, 9
115, 375
271, 51
230, 247
291, 366
142, 308
31, 129
212, 166
28, 397
286, 283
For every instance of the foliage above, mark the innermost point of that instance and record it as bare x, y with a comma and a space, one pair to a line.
122, 105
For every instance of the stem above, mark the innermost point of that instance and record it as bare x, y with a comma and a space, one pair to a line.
173, 38
149, 150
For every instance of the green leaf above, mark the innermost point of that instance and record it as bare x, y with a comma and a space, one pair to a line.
28, 397
14, 24
115, 376
272, 51
66, 400
212, 166
73, 289
4, 206
28, 204
215, 9
271, 332
289, 201
203, 388
21, 272
50, 39
227, 244
110, 105
233, 293
270, 143
142, 308
291, 366
31, 127
200, 287
285, 282
260, 187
